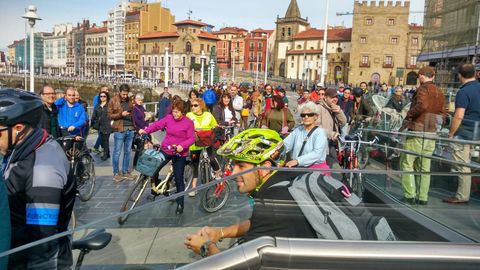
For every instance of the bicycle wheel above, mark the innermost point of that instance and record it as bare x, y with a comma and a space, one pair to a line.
86, 179
363, 157
215, 197
188, 176
133, 197
357, 185
204, 172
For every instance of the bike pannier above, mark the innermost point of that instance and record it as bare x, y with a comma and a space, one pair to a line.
205, 138
149, 162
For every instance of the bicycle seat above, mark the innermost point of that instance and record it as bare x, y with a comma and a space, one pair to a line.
352, 137
95, 240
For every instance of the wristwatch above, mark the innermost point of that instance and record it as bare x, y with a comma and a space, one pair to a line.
204, 248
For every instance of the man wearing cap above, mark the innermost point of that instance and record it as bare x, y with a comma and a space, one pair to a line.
465, 126
424, 118
332, 120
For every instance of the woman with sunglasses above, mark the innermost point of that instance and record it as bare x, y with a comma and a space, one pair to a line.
307, 145
101, 122
203, 121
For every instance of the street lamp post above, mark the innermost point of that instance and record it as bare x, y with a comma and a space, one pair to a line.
166, 67
202, 70
211, 70
324, 52
31, 16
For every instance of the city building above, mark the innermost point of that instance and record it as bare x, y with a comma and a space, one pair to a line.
96, 51
380, 42
55, 50
38, 52
78, 34
12, 60
3, 62
230, 47
451, 36
256, 47
184, 46
145, 18
304, 56
286, 28
414, 39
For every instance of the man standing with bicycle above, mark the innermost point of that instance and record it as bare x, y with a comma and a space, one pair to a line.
71, 114
120, 112
40, 192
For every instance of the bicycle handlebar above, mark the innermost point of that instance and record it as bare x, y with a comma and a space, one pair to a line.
359, 141
76, 138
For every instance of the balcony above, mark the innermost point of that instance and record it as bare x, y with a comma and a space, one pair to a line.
387, 65
364, 64
412, 66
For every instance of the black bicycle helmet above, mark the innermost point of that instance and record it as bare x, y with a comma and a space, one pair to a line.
20, 107
357, 92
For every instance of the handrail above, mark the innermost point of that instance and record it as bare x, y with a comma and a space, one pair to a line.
291, 253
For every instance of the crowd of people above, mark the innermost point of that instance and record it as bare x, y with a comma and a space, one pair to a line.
275, 133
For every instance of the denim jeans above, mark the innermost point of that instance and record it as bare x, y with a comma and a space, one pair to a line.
122, 139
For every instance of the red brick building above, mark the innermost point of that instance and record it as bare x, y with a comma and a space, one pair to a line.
231, 41
256, 43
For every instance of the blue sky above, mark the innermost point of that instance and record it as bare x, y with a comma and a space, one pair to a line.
249, 14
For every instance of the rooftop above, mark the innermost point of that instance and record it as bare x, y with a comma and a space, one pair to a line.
191, 22
335, 34
96, 30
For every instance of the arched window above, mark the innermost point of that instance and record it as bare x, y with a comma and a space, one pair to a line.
188, 47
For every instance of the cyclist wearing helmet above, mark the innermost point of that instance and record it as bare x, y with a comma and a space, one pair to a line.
40, 193
249, 149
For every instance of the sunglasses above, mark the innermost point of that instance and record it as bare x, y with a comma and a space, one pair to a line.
103, 96
307, 115
194, 105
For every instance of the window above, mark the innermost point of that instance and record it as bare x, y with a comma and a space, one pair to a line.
188, 47
260, 45
251, 66
162, 61
252, 45
293, 58
388, 60
155, 61
289, 31
413, 60
283, 32
394, 40
293, 64
390, 21
368, 21
202, 47
414, 40
192, 60
208, 47
149, 62
155, 28
363, 40
365, 59
183, 61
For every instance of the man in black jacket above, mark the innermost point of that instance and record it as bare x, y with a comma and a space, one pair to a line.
49, 120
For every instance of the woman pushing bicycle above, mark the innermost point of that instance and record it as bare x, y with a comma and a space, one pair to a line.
179, 132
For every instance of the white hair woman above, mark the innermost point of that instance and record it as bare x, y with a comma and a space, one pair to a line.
307, 144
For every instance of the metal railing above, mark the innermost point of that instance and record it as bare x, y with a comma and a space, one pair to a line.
291, 253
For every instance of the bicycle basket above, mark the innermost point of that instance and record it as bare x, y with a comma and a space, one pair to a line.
149, 162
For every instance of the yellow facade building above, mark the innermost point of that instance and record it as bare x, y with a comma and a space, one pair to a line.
141, 19
184, 49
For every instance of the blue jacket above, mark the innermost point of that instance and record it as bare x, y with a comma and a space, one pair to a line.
315, 150
95, 101
70, 116
209, 97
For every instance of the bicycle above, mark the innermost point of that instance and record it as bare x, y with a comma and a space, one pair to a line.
95, 240
81, 165
348, 157
165, 187
214, 197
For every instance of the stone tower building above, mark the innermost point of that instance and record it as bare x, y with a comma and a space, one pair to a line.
287, 28
379, 42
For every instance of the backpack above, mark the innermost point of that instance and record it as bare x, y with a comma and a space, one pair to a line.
335, 213
209, 97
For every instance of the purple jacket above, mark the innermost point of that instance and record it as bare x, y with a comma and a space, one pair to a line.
139, 117
178, 132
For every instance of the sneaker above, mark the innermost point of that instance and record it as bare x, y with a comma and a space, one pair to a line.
128, 176
118, 178
192, 193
